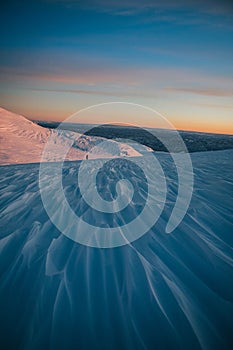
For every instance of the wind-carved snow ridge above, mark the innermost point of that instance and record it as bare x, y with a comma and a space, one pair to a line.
158, 292
23, 141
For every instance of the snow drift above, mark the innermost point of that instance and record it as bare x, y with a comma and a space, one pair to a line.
160, 292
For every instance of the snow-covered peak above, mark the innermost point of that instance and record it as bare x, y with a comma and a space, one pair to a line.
23, 141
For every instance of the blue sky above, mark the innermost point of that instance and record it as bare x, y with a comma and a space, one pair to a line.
58, 56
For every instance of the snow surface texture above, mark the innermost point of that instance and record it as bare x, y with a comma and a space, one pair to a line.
159, 292
23, 141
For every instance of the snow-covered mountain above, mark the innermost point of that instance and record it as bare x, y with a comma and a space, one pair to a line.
23, 141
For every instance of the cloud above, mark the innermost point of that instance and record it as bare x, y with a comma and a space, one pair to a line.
95, 92
208, 13
202, 91
214, 106
105, 77
132, 7
74, 76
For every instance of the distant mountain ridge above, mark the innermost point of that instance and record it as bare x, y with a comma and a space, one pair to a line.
194, 141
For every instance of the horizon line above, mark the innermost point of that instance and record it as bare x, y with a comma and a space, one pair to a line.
132, 126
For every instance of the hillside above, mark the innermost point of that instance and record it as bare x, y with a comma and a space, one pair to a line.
23, 141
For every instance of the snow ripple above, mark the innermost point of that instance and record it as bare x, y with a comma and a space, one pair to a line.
159, 292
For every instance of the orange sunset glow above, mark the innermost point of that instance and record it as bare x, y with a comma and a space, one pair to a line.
178, 63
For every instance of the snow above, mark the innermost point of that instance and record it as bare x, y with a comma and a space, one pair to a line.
23, 141
159, 292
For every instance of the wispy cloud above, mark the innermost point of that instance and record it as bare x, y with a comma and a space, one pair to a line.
201, 91
97, 73
214, 106
96, 92
132, 7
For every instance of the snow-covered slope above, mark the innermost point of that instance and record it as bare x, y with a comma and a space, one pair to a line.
23, 141
160, 292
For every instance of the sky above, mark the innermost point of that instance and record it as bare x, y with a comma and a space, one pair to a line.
59, 56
